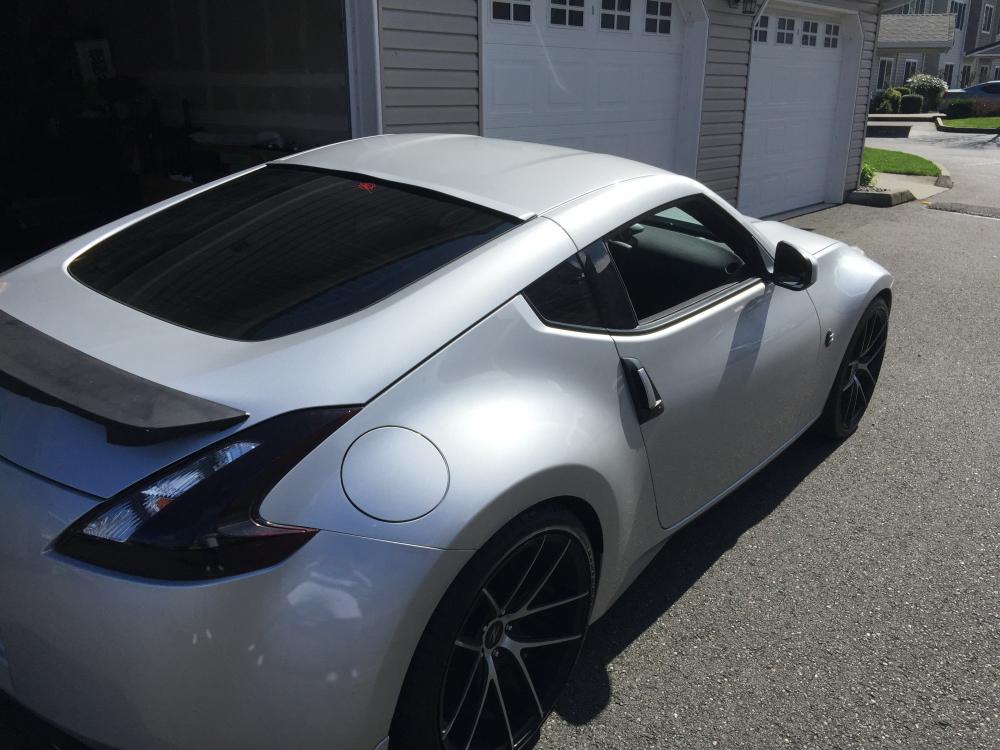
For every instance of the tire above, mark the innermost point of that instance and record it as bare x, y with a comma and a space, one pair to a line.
502, 643
857, 375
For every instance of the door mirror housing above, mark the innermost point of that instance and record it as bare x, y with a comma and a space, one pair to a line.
793, 269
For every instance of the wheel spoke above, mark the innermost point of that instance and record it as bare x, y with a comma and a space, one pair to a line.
461, 701
525, 612
516, 653
492, 601
538, 643
869, 355
877, 337
545, 579
495, 679
864, 371
479, 713
467, 645
524, 575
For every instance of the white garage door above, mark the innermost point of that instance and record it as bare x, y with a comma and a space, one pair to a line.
601, 75
791, 117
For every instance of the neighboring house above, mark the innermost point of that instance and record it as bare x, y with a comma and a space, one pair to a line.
912, 43
914, 33
764, 102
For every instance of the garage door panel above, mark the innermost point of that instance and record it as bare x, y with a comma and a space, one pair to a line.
606, 91
791, 119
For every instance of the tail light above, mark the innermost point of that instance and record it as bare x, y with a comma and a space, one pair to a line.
198, 518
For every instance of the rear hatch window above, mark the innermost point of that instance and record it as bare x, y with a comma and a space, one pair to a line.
283, 249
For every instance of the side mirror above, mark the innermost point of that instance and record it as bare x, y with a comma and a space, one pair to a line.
793, 269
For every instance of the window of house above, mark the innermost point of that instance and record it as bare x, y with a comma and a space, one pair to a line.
658, 17
884, 73
948, 74
517, 10
831, 36
616, 15
566, 12
987, 18
958, 9
996, 73
909, 69
760, 29
282, 249
810, 30
966, 77
786, 31
681, 254
984, 73
914, 6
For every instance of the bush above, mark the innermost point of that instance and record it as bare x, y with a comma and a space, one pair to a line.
893, 97
876, 100
867, 178
959, 108
930, 87
911, 103
902, 90
884, 107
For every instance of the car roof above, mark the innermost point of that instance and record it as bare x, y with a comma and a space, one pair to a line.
515, 177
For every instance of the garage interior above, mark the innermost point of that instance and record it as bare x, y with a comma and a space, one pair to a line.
116, 104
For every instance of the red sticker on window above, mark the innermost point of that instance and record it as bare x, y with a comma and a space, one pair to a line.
368, 187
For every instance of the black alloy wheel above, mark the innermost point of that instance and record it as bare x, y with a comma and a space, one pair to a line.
510, 648
855, 384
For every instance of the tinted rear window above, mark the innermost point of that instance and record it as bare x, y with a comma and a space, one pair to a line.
282, 249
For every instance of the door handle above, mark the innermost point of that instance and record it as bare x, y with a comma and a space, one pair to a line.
645, 397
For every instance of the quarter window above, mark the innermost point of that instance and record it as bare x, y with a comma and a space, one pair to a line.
810, 29
517, 10
563, 296
679, 255
616, 15
831, 36
760, 29
658, 17
786, 31
566, 12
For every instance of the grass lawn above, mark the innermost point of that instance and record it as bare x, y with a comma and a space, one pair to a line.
973, 122
897, 162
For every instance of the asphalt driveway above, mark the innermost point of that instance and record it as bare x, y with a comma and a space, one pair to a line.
848, 596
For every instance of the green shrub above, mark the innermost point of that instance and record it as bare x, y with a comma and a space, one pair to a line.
959, 108
884, 107
930, 87
911, 104
867, 178
902, 90
893, 97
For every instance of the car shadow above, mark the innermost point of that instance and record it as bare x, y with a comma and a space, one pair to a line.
677, 567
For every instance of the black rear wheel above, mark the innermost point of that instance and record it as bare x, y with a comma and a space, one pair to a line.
502, 643
858, 374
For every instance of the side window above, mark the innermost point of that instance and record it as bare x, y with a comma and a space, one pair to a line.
584, 290
563, 295
681, 254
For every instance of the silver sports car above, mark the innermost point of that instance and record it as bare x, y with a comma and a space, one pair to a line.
356, 444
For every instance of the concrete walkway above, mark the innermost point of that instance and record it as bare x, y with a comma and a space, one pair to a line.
972, 159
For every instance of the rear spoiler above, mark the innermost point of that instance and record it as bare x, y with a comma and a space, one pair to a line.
133, 410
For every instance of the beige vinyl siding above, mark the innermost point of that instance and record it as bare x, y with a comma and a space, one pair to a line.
430, 66
869, 29
727, 68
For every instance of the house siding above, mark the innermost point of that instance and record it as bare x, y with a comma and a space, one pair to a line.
430, 66
430, 79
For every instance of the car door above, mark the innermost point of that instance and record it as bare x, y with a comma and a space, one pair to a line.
720, 359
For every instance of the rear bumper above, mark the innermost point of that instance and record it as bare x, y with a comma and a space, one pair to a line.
310, 653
